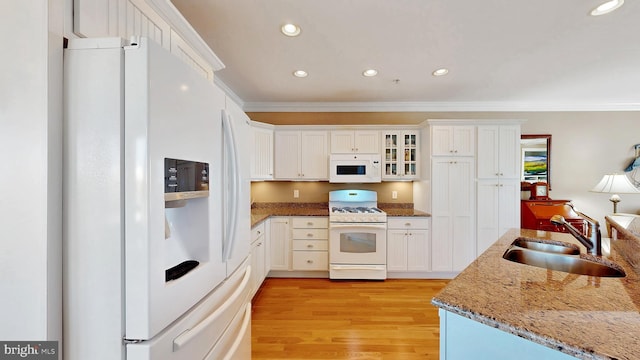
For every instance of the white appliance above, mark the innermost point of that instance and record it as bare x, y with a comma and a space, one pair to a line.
357, 236
149, 274
355, 168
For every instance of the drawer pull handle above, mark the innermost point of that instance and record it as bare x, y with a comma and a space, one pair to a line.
310, 246
407, 224
309, 261
310, 223
309, 235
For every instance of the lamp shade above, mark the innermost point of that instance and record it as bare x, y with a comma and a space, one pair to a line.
615, 184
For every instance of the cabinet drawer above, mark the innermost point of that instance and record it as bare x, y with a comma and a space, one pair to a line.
310, 260
257, 231
310, 222
311, 245
408, 222
310, 233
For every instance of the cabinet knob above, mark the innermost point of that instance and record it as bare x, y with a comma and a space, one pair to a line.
259, 232
309, 261
309, 223
407, 224
310, 246
309, 235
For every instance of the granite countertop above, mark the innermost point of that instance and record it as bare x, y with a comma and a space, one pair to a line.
584, 316
261, 211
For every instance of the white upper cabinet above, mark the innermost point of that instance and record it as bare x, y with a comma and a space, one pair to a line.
301, 155
454, 140
358, 141
133, 18
262, 155
400, 155
499, 151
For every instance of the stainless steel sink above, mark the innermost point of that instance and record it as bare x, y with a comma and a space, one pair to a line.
551, 246
555, 256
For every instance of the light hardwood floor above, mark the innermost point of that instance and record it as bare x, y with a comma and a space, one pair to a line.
324, 319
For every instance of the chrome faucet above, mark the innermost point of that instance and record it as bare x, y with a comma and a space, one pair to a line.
593, 243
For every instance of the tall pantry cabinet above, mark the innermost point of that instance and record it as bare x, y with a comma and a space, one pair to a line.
475, 187
452, 195
498, 185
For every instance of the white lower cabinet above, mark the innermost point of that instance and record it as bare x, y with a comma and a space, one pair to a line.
408, 245
453, 213
498, 210
279, 240
258, 255
310, 243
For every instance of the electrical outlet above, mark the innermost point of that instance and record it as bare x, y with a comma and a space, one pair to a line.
394, 194
296, 194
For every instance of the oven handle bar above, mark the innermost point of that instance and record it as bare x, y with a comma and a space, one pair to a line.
357, 225
358, 267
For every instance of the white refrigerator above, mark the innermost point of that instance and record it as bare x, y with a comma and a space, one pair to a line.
152, 273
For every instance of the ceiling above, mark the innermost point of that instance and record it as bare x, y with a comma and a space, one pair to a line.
501, 54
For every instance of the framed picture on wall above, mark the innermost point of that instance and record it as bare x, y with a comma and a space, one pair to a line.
534, 164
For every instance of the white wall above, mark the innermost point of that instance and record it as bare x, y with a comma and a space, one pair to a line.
30, 141
584, 147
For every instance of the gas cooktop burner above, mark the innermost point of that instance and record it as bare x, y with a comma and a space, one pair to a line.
355, 206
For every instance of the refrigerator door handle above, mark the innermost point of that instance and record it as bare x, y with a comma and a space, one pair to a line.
184, 338
232, 204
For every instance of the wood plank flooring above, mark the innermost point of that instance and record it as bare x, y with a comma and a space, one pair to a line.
324, 319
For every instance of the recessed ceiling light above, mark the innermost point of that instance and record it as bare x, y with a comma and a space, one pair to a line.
290, 29
440, 72
607, 7
370, 72
300, 73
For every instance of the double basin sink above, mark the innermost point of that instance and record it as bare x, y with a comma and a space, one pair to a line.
560, 256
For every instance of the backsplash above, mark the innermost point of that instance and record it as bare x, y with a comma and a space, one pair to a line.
318, 191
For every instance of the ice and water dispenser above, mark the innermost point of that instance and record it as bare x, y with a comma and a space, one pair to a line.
186, 195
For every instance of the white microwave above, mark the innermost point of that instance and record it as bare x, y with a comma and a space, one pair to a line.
355, 168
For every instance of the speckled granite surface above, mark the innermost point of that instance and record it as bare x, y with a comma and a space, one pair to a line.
261, 211
584, 316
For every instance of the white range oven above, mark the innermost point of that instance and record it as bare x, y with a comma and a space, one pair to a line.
357, 236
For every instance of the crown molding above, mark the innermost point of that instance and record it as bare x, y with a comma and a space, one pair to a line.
181, 26
497, 106
227, 90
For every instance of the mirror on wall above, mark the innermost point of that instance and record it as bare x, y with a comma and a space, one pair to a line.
536, 158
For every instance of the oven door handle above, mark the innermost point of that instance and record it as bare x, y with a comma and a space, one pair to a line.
358, 225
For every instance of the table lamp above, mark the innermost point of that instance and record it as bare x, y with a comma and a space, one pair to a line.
615, 184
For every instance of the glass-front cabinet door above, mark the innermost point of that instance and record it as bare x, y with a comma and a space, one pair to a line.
401, 152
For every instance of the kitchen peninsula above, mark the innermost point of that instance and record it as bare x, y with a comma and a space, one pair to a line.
500, 309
